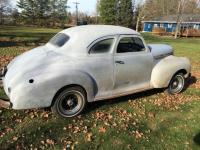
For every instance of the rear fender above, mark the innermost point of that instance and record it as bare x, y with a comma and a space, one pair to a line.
83, 79
41, 92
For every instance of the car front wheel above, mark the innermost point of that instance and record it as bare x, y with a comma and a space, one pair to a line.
177, 84
70, 102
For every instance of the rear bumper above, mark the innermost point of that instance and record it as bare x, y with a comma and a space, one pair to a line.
5, 104
3, 71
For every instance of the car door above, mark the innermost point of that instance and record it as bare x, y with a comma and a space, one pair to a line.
133, 63
100, 65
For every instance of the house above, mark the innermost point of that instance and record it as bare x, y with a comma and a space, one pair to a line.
169, 23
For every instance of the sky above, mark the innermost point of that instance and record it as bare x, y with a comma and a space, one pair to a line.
88, 6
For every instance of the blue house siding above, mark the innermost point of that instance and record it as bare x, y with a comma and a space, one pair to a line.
198, 26
169, 23
148, 26
165, 25
170, 27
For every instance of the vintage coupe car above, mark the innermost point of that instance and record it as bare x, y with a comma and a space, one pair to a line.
90, 63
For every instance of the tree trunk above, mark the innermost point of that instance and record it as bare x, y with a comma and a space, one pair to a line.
138, 23
1, 18
178, 20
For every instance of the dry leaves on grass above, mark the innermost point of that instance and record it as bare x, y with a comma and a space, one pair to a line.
197, 85
4, 60
102, 130
172, 101
15, 138
138, 134
196, 74
107, 118
50, 142
88, 137
47, 143
5, 131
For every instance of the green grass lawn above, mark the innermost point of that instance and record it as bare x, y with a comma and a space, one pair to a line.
148, 120
15, 40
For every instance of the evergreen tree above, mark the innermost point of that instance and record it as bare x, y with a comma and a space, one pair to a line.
107, 10
116, 12
28, 10
62, 11
41, 12
126, 13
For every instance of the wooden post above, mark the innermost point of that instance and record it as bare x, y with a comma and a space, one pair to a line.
187, 31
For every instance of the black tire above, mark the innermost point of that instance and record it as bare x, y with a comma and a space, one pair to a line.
70, 102
177, 84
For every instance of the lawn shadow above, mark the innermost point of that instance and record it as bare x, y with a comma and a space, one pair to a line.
10, 44
24, 39
95, 105
196, 139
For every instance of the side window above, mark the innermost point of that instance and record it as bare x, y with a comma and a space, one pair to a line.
103, 46
130, 44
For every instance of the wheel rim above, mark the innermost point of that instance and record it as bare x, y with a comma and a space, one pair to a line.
70, 103
177, 84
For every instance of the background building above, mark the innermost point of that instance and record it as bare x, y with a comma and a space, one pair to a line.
169, 23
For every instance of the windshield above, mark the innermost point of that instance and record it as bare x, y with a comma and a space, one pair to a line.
59, 39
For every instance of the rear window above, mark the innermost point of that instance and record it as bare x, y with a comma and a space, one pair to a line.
59, 39
103, 46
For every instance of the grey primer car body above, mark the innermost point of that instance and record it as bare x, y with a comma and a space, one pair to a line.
97, 58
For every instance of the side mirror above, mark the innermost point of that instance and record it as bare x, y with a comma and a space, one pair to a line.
150, 48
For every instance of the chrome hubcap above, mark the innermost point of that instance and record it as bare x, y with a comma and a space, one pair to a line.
177, 84
70, 103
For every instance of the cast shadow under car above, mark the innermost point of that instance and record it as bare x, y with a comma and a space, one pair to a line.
190, 81
196, 139
95, 105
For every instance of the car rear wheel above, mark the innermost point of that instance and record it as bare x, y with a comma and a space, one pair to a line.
70, 102
177, 84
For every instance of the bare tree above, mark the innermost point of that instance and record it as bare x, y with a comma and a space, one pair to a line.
3, 6
157, 8
140, 15
180, 11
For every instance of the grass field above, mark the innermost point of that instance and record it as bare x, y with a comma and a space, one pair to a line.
148, 120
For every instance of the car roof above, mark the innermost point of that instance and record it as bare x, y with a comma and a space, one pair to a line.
89, 31
82, 36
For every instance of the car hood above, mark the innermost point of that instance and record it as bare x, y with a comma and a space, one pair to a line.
160, 50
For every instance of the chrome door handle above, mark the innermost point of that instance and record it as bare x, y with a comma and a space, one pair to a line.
119, 62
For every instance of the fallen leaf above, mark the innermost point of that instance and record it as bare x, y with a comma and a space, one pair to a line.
89, 137
15, 138
50, 142
102, 130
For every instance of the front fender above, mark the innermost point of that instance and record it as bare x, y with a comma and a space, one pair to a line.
165, 69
